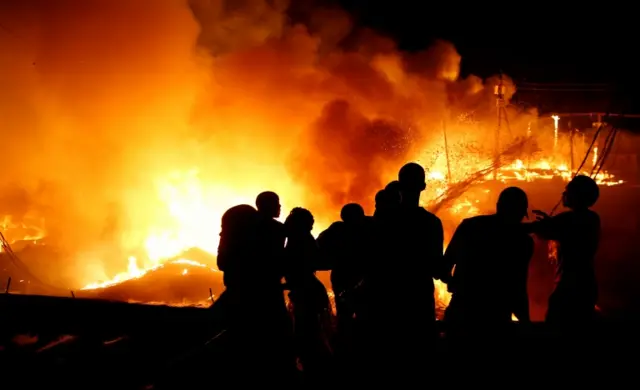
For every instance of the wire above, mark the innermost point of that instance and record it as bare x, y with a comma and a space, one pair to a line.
525, 83
562, 89
607, 151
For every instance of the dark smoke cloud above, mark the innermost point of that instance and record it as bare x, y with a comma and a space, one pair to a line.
349, 150
374, 106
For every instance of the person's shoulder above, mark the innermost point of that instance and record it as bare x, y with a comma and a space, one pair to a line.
428, 215
593, 214
334, 229
477, 220
275, 223
336, 225
272, 225
578, 217
569, 214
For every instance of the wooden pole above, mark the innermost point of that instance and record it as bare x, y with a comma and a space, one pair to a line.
446, 151
499, 92
497, 144
571, 131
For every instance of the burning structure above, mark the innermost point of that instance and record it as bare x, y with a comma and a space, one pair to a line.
143, 122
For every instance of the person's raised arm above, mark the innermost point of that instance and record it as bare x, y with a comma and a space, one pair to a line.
545, 226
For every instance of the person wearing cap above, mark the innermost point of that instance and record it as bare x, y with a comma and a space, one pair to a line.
489, 256
577, 235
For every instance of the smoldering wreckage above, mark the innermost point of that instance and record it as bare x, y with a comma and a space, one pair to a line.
353, 113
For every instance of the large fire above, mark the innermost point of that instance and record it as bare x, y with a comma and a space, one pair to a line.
138, 142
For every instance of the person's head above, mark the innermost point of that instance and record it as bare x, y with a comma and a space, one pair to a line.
412, 179
300, 220
512, 204
268, 203
352, 213
238, 220
387, 199
393, 186
582, 192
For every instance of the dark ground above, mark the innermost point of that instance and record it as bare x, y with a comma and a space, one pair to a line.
76, 343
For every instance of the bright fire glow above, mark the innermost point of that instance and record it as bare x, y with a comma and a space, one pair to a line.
555, 118
196, 223
133, 148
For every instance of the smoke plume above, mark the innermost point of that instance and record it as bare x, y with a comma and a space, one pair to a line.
112, 111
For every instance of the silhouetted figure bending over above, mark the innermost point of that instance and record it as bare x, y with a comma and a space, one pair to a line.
253, 301
577, 234
307, 294
491, 256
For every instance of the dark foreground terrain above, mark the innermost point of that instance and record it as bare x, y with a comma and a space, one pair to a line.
88, 344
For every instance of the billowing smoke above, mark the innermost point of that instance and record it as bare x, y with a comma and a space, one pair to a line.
349, 153
120, 119
354, 108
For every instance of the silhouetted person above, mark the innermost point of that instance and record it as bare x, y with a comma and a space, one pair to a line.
268, 204
307, 294
236, 250
376, 293
272, 237
388, 202
577, 234
253, 300
393, 186
491, 256
348, 271
421, 246
408, 307
387, 235
346, 244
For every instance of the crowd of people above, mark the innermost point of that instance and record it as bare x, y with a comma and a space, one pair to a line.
382, 274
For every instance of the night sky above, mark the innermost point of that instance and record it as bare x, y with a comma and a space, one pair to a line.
528, 43
559, 58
